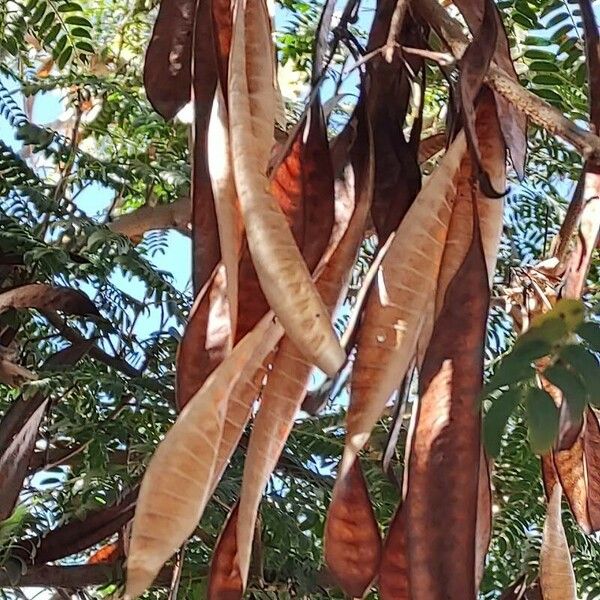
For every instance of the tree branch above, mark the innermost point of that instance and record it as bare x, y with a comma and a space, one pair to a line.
82, 576
44, 459
287, 464
175, 215
538, 110
114, 362
74, 577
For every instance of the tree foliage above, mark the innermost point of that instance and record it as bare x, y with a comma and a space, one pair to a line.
90, 328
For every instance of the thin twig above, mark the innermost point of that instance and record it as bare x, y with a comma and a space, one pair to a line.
569, 224
176, 578
395, 28
538, 110
443, 58
114, 362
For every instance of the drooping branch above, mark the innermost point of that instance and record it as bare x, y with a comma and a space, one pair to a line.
83, 576
72, 577
114, 362
42, 459
287, 464
569, 224
537, 109
176, 215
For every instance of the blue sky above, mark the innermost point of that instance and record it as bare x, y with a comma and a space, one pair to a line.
95, 199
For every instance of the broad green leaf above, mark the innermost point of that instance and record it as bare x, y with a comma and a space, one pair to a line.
590, 332
496, 419
571, 385
542, 419
508, 371
549, 331
516, 365
586, 365
532, 346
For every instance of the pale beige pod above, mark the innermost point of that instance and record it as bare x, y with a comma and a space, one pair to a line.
289, 378
179, 479
394, 312
557, 579
282, 272
229, 219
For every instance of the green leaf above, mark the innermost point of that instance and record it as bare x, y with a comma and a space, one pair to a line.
59, 46
560, 33
539, 54
531, 346
586, 365
534, 40
542, 419
84, 46
550, 95
48, 20
524, 8
81, 32
39, 12
571, 385
51, 35
590, 332
11, 45
551, 331
496, 418
70, 7
544, 66
581, 74
14, 523
510, 370
567, 46
556, 19
524, 21
516, 365
547, 79
64, 57
550, 7
78, 20
571, 311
